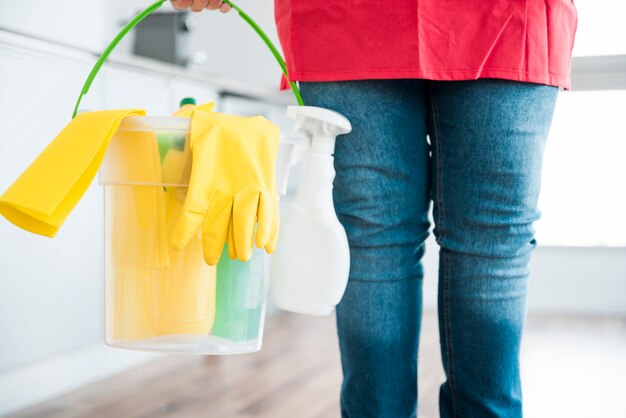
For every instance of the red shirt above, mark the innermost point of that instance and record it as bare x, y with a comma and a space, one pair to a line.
523, 40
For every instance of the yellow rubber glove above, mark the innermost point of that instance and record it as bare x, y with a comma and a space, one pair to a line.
232, 179
44, 195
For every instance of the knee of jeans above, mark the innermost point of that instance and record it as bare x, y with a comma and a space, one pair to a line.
375, 340
377, 217
379, 319
487, 236
385, 215
385, 244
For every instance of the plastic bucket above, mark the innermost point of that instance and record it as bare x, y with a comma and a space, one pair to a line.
159, 299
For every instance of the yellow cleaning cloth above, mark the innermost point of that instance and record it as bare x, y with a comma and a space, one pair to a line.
137, 248
44, 195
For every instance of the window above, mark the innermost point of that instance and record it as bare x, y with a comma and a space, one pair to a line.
601, 29
583, 199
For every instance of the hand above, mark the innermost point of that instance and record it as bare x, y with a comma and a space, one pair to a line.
199, 5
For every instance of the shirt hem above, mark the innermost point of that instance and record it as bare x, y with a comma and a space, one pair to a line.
558, 80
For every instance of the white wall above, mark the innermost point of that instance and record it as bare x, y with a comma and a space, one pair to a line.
71, 22
49, 289
233, 48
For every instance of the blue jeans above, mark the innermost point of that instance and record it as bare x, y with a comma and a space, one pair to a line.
473, 148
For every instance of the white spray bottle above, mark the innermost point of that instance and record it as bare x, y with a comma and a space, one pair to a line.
311, 263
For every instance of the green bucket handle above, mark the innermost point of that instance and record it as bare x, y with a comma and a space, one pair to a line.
142, 15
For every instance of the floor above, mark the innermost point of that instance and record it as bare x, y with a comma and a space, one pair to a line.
572, 367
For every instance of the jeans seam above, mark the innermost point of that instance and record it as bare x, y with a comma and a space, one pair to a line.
448, 327
440, 213
446, 270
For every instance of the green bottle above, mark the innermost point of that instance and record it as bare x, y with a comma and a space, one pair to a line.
240, 297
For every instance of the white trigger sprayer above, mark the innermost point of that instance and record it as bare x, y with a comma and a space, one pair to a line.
312, 260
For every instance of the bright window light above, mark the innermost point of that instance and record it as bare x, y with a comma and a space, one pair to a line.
583, 197
601, 29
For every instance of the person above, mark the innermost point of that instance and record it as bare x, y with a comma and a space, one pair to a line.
451, 103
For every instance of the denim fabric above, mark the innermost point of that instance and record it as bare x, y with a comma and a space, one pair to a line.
474, 149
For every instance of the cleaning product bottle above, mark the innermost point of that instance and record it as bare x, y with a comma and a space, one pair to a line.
312, 259
293, 149
184, 292
186, 103
239, 306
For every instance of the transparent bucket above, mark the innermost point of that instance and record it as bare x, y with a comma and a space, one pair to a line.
158, 299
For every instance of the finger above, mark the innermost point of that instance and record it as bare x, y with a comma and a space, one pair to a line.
181, 4
264, 219
214, 4
194, 209
232, 253
198, 198
225, 8
199, 5
245, 207
187, 225
215, 229
275, 229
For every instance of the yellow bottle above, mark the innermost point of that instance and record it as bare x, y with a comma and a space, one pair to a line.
185, 290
